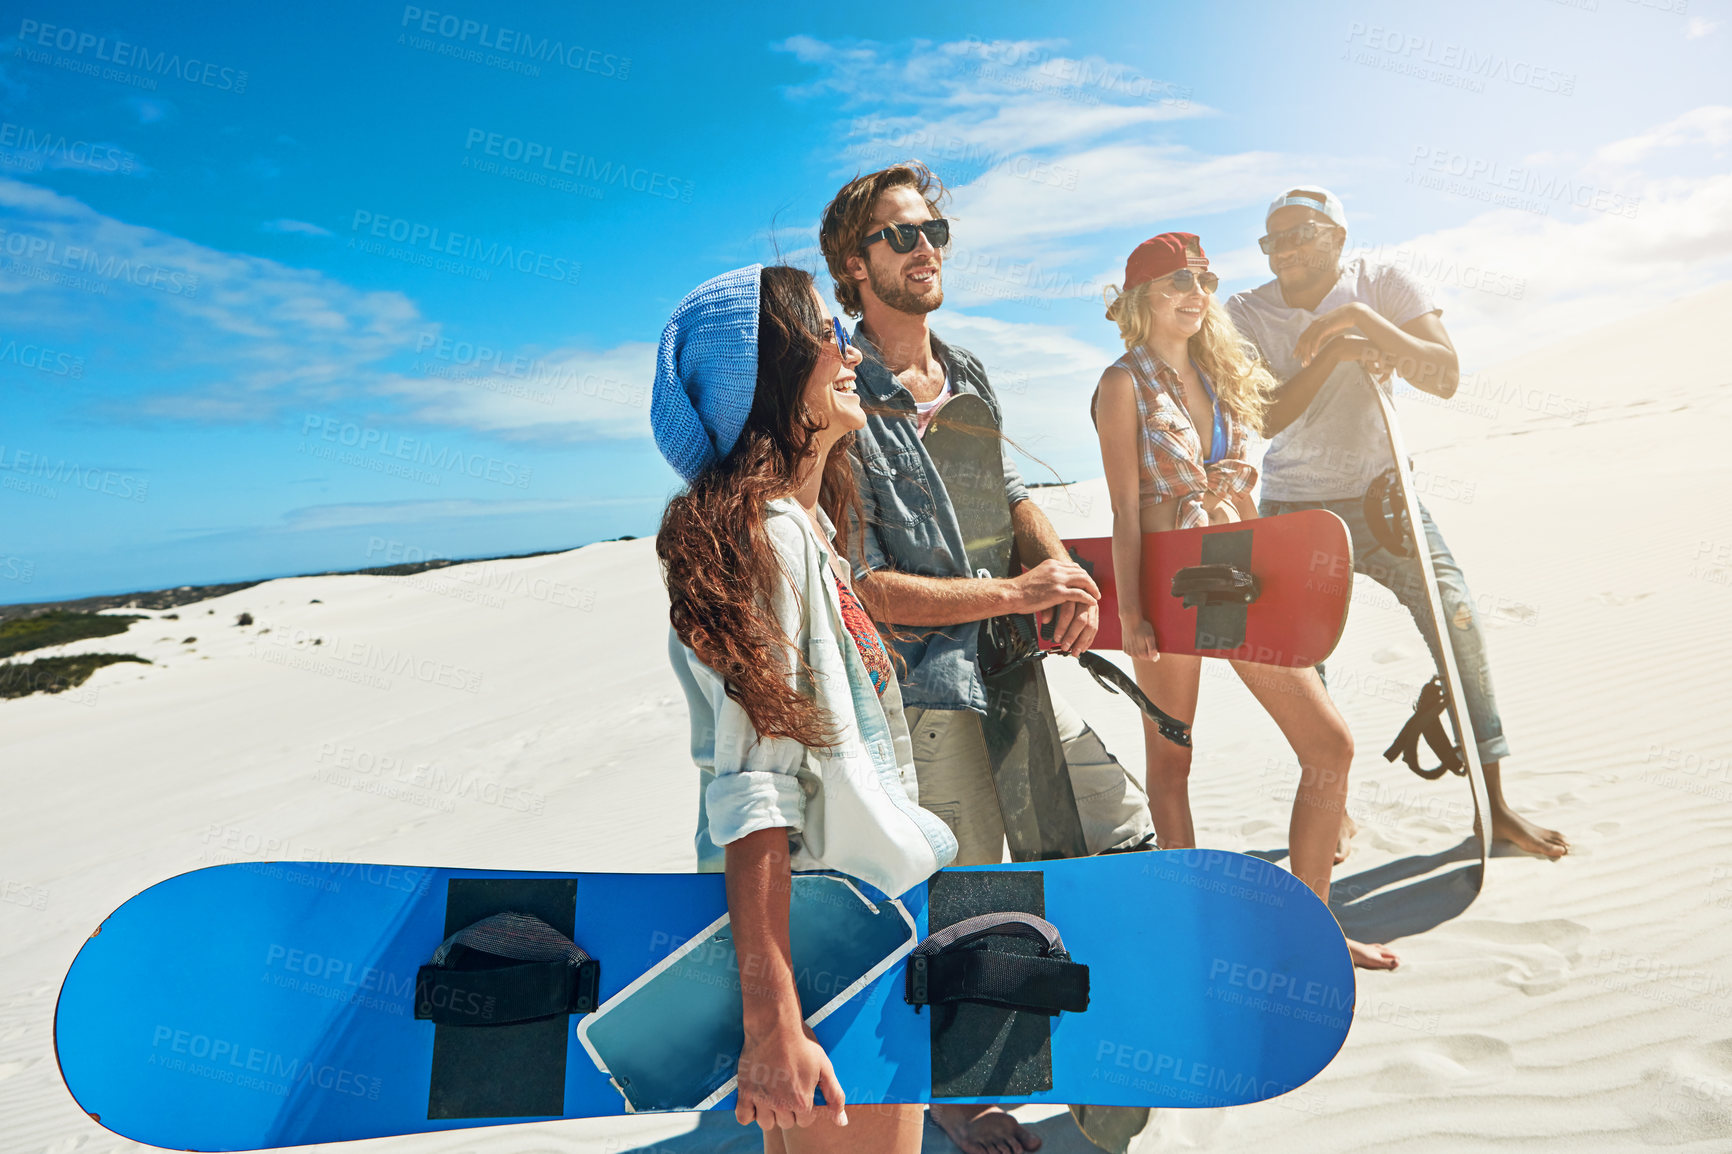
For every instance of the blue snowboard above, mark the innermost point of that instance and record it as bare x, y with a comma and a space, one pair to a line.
251, 1006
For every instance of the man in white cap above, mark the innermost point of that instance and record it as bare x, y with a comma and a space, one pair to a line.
1329, 331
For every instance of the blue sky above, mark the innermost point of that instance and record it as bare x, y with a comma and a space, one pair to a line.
347, 284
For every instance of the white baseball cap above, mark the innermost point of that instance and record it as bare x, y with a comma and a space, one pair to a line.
1313, 197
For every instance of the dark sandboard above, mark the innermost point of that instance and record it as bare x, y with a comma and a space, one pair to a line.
1028, 767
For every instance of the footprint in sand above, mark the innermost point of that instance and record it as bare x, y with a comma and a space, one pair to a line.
1447, 1064
1538, 954
1620, 598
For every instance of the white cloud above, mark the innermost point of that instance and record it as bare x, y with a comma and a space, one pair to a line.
1698, 27
567, 394
344, 516
1044, 376
229, 337
1643, 219
1577, 271
1041, 150
301, 227
1709, 125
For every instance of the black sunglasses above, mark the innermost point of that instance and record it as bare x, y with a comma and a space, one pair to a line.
903, 237
1290, 237
1185, 279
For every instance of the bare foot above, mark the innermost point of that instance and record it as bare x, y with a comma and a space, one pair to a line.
1344, 843
1507, 825
1372, 957
978, 1129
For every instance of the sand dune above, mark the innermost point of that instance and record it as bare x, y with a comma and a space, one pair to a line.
521, 714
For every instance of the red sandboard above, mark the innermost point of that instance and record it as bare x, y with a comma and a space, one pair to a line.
1302, 566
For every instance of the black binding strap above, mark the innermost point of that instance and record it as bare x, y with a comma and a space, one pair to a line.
465, 984
943, 970
1427, 722
1115, 680
1008, 641
1216, 585
1385, 509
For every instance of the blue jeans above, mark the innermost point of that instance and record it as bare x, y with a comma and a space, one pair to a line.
1403, 577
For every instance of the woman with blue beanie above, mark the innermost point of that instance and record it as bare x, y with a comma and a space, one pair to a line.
797, 727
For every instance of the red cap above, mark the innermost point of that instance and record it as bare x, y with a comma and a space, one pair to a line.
1161, 255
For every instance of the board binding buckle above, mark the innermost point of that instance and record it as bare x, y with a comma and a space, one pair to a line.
505, 969
941, 970
1217, 584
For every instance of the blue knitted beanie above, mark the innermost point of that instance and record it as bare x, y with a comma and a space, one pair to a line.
707, 372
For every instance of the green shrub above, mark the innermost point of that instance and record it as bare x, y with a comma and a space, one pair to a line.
55, 674
57, 627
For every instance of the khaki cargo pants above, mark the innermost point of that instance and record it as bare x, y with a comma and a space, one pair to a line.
956, 783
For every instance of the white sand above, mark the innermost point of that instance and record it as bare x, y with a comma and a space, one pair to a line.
1578, 1005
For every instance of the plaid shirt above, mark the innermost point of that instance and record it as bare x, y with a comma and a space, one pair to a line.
1171, 454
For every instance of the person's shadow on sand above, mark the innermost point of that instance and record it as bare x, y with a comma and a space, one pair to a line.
718, 1133
1374, 905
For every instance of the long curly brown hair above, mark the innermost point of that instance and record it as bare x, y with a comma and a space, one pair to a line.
716, 554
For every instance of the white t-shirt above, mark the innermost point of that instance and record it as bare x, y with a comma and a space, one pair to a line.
923, 410
1338, 446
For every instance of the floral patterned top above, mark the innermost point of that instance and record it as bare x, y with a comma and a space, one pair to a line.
866, 638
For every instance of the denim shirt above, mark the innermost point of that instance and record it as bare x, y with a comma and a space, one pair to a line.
854, 807
911, 525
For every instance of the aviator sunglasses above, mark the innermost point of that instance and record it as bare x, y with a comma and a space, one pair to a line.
1185, 279
903, 237
1290, 237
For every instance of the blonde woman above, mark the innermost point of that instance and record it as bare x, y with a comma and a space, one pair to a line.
1175, 415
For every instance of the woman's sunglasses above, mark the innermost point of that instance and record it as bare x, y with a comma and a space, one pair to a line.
1292, 237
1185, 280
841, 335
903, 237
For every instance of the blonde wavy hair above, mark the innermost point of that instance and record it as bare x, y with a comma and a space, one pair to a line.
1242, 382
